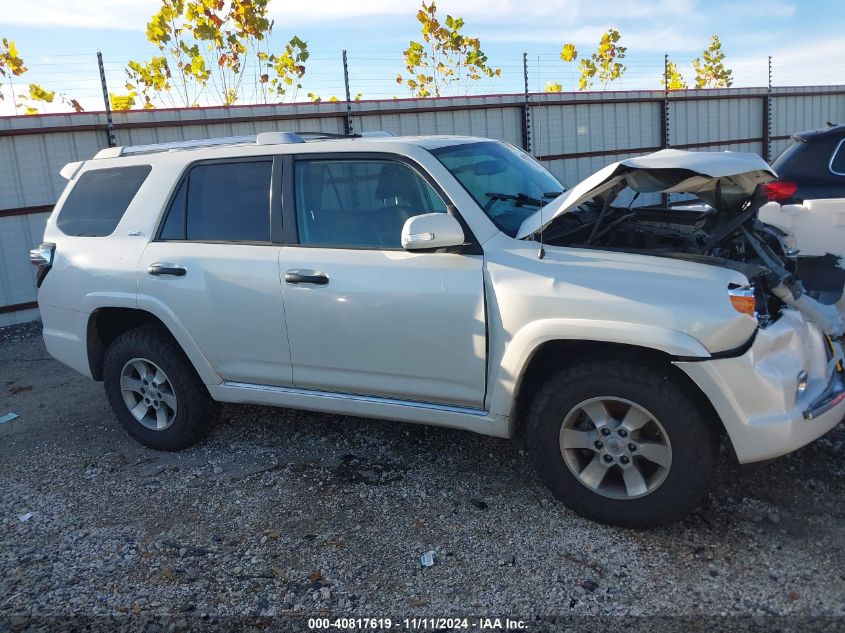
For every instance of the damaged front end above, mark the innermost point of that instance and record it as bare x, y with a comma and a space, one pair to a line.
722, 229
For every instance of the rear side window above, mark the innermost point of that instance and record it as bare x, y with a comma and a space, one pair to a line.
837, 164
99, 199
222, 202
788, 154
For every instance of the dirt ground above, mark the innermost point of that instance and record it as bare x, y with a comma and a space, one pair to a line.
285, 513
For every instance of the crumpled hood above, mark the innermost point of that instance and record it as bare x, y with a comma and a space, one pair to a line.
666, 171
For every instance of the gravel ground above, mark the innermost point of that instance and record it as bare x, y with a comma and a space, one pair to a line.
284, 512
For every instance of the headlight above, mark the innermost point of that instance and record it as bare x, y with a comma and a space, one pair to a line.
742, 299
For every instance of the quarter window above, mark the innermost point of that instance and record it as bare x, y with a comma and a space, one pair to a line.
174, 225
99, 199
359, 203
222, 202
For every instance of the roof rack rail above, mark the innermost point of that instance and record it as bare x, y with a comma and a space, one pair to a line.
324, 135
308, 135
264, 138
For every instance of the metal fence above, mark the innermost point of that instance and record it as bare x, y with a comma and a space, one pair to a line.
572, 134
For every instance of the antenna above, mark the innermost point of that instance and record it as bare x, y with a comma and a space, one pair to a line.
542, 252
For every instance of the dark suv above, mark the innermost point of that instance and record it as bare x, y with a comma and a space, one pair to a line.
808, 199
815, 163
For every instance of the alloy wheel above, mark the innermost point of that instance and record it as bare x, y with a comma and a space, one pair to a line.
615, 447
148, 394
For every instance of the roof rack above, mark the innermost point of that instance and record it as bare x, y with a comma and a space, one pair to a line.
316, 136
264, 138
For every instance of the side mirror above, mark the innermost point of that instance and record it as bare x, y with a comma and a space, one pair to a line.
431, 230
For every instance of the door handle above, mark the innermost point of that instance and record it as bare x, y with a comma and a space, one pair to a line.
306, 277
160, 268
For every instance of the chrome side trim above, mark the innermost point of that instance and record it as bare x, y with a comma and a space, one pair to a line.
832, 396
355, 398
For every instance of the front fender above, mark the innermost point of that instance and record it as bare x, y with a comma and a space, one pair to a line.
528, 340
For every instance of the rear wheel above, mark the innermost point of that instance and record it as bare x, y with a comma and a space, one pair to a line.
622, 442
155, 391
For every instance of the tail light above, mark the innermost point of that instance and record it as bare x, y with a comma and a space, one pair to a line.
42, 256
778, 190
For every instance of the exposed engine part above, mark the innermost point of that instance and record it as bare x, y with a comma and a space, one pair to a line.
827, 317
729, 236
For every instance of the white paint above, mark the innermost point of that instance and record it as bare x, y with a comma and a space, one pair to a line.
818, 225
401, 335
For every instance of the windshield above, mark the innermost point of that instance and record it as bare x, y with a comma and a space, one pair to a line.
505, 181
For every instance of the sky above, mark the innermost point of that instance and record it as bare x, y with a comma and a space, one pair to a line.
58, 40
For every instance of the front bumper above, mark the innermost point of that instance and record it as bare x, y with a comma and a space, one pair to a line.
756, 394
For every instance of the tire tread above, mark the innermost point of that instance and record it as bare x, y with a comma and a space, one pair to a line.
196, 407
699, 427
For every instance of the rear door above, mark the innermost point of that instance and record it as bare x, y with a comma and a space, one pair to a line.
214, 266
363, 315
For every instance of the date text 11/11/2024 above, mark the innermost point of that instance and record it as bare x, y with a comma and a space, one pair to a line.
432, 624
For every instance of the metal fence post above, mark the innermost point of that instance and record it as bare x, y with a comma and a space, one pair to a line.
526, 108
348, 120
664, 112
109, 122
664, 118
767, 118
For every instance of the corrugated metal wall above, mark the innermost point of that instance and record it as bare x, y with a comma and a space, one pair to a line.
572, 134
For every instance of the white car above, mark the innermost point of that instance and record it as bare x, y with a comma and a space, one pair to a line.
403, 278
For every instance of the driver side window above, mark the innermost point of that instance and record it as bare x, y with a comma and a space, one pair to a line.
350, 203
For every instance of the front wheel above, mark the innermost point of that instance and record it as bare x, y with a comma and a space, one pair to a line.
622, 442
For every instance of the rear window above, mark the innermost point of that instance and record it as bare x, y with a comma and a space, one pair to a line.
222, 202
99, 199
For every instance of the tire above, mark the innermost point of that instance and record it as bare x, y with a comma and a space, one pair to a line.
680, 435
180, 410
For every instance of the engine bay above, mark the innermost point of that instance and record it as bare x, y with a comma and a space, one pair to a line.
726, 234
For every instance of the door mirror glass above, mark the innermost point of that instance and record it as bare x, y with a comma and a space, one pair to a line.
431, 230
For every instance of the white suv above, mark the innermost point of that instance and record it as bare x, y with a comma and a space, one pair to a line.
402, 278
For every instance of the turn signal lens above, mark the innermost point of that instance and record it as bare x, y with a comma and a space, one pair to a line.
742, 299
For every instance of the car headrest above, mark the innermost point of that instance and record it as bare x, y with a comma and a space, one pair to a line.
396, 181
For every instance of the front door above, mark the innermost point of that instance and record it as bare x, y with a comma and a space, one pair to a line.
365, 316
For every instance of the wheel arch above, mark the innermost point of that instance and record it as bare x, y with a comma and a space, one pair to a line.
107, 323
556, 353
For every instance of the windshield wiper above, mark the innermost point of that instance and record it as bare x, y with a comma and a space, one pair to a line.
523, 198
